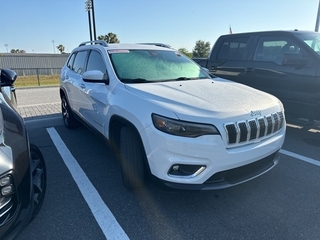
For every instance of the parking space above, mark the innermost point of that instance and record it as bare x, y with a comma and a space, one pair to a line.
282, 204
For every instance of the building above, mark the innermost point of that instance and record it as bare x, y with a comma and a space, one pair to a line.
32, 63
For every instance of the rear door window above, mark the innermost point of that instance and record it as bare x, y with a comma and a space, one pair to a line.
233, 49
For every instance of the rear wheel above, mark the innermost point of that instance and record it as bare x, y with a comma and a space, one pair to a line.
132, 158
39, 178
67, 115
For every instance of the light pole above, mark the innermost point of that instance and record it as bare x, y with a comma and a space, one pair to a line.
54, 50
317, 21
6, 45
94, 22
90, 6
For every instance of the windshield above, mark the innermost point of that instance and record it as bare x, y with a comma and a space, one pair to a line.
312, 40
139, 66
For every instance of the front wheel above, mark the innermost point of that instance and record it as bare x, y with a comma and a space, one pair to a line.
132, 158
39, 178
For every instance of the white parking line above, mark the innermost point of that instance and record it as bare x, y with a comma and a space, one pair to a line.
300, 157
107, 222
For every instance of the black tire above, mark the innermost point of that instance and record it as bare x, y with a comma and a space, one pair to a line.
67, 115
39, 179
132, 158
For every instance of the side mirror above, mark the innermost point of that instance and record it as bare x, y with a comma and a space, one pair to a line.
95, 76
7, 77
294, 59
206, 70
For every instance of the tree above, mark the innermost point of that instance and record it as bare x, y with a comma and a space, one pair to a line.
17, 51
201, 49
61, 48
185, 52
109, 38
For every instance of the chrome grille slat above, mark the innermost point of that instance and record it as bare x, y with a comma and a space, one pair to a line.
253, 129
243, 128
269, 124
263, 128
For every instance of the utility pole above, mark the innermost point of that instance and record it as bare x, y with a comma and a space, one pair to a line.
6, 45
317, 21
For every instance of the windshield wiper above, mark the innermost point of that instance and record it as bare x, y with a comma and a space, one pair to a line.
134, 80
186, 78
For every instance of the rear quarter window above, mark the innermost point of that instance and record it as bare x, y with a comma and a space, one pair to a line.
79, 62
70, 61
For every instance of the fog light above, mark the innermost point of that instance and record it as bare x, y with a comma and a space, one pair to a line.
185, 171
175, 167
7, 190
5, 181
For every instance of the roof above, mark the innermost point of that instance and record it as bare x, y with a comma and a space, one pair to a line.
295, 31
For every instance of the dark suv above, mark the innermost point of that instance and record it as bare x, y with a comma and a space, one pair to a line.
22, 167
283, 63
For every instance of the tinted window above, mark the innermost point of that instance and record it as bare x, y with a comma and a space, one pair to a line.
70, 62
273, 48
79, 62
312, 40
95, 62
233, 49
134, 66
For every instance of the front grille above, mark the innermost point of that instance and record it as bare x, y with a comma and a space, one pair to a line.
243, 173
245, 131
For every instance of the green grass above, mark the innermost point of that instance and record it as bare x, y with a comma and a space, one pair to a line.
33, 81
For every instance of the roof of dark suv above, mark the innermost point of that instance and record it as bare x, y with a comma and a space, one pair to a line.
295, 32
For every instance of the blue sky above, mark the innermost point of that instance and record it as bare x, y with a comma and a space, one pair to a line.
32, 25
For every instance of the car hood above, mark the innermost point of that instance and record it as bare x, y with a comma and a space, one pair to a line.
206, 98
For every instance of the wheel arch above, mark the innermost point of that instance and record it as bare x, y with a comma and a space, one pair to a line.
116, 123
62, 92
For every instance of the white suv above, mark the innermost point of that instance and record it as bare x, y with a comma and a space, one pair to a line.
163, 115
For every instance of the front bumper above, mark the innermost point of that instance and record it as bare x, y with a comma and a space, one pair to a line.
16, 210
223, 167
230, 177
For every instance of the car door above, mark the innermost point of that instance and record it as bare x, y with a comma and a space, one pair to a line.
228, 60
96, 94
281, 66
75, 83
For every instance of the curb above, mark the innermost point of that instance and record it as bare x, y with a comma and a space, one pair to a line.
44, 122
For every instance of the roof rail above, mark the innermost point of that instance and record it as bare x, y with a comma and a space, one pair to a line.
157, 44
101, 42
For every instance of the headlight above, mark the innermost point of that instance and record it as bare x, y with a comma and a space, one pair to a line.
182, 128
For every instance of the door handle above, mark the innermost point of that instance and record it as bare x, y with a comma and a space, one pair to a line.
82, 85
213, 68
250, 70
